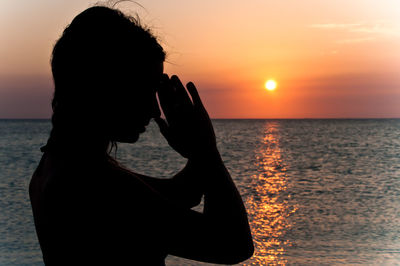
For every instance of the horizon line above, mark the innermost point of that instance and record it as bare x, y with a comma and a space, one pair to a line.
241, 118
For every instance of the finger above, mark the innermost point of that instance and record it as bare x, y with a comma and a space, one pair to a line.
168, 87
165, 95
181, 94
163, 79
195, 95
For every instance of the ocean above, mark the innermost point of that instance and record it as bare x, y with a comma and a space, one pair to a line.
317, 192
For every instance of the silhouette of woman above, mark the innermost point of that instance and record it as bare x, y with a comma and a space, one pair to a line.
89, 210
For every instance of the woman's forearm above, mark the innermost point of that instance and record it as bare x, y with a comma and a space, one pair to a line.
183, 189
223, 204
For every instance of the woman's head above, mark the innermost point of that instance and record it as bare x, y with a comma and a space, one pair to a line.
106, 68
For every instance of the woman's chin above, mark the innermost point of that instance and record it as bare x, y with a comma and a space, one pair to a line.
131, 138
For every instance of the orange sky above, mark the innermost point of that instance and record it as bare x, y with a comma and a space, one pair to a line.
336, 58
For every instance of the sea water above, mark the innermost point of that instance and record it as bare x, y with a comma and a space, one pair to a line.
317, 192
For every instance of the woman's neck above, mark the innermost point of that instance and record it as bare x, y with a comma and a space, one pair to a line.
87, 145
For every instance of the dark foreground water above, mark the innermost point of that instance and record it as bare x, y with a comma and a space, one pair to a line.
318, 192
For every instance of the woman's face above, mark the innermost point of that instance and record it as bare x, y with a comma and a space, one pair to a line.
136, 104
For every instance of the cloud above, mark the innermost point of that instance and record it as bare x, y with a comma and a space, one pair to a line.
365, 31
377, 29
335, 25
355, 40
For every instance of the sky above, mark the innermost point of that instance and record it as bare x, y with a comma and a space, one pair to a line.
330, 59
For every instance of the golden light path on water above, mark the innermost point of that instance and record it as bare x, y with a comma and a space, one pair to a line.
269, 203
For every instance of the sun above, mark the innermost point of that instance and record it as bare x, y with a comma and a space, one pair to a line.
270, 85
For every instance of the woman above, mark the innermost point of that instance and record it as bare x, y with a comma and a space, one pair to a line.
89, 210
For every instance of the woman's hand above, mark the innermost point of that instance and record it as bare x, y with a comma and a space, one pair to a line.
188, 128
221, 234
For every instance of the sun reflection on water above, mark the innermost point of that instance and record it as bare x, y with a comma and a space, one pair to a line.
269, 203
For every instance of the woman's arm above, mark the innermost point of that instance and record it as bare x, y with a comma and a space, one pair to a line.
221, 234
185, 188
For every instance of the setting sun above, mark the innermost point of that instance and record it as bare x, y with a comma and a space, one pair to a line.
270, 85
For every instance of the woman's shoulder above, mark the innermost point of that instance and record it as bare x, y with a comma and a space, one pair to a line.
118, 172
127, 181
76, 173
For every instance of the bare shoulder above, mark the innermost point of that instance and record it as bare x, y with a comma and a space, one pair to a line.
129, 180
117, 171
